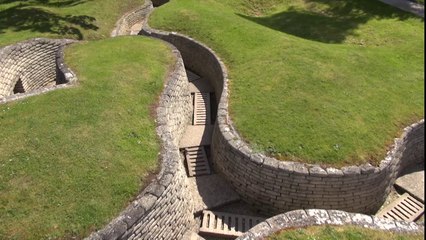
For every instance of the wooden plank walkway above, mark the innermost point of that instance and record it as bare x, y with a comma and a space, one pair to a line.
202, 112
405, 208
227, 224
197, 162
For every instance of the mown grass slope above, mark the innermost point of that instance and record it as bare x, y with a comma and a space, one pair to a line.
72, 159
77, 19
328, 82
341, 233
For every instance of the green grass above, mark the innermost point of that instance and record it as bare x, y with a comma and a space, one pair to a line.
72, 159
328, 82
77, 19
341, 233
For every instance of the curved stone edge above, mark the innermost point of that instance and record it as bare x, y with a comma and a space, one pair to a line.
319, 217
164, 209
275, 186
123, 25
65, 76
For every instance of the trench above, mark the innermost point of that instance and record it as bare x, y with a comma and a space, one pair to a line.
219, 212
219, 209
212, 188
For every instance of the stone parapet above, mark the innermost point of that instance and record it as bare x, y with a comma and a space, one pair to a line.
317, 217
123, 26
277, 186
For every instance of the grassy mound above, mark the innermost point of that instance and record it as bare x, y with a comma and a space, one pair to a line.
341, 233
72, 159
77, 19
329, 82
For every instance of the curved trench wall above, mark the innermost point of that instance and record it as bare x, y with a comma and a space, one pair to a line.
135, 16
413, 151
197, 57
316, 217
32, 66
164, 210
274, 186
129, 19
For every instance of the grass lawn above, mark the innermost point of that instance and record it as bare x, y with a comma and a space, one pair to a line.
341, 233
72, 159
77, 19
329, 82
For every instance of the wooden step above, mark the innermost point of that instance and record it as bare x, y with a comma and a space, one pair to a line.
202, 113
405, 208
196, 161
227, 224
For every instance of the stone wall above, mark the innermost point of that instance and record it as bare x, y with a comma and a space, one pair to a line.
274, 186
414, 144
122, 27
32, 65
315, 217
164, 210
197, 57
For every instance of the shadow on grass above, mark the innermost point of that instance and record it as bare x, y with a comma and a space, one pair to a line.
33, 16
333, 22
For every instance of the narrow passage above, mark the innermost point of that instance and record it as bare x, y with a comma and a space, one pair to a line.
407, 197
212, 195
